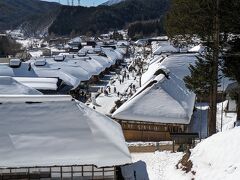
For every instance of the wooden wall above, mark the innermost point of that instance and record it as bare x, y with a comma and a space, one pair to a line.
144, 131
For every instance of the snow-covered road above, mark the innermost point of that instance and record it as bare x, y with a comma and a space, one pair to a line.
159, 164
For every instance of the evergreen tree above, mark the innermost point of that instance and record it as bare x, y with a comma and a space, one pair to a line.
200, 17
198, 81
8, 46
116, 36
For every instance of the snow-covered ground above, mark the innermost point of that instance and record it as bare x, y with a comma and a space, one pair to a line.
30, 42
226, 120
104, 103
215, 158
158, 164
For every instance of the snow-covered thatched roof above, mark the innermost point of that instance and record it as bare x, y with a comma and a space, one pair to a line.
8, 85
165, 47
39, 83
197, 49
111, 54
71, 74
159, 100
177, 64
57, 131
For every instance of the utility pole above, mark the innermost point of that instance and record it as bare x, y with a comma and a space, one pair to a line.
72, 3
68, 2
79, 2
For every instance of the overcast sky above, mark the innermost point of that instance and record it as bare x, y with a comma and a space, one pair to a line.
83, 2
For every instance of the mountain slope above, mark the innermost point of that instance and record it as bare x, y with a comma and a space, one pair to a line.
14, 13
100, 19
112, 2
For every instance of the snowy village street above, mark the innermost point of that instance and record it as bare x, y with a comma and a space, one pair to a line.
118, 87
119, 90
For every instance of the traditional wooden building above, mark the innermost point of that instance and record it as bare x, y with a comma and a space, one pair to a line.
56, 137
161, 106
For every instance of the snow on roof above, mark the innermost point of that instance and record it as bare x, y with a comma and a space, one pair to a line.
58, 133
72, 70
29, 69
160, 100
8, 85
149, 74
39, 83
14, 98
88, 64
76, 40
122, 50
101, 59
111, 54
178, 64
15, 62
218, 156
156, 58
122, 42
165, 47
119, 53
35, 54
197, 49
21, 71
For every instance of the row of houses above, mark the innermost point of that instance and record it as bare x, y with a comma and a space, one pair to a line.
49, 136
65, 71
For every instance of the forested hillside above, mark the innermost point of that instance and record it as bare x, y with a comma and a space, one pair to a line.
82, 20
141, 29
14, 13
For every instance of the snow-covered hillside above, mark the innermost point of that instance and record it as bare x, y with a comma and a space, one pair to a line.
215, 158
112, 2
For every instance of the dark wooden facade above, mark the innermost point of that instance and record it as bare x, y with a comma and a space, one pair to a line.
147, 131
59, 173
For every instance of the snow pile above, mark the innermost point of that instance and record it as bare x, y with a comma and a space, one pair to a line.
217, 157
